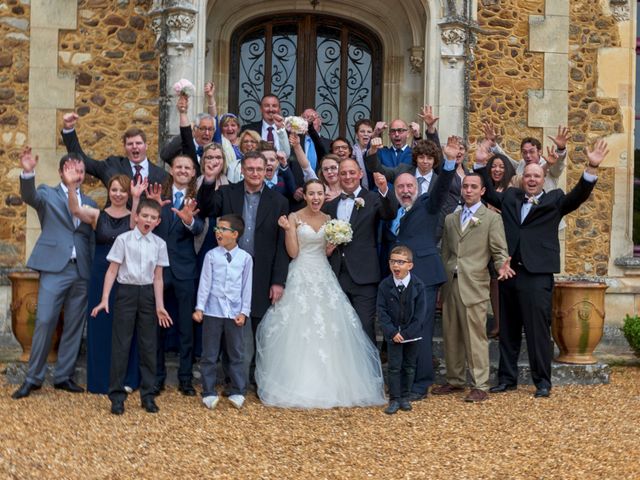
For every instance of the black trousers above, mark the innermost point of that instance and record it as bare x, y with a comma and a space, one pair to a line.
402, 359
525, 301
363, 299
134, 310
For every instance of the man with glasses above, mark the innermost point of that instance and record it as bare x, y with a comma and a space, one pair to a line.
203, 130
399, 152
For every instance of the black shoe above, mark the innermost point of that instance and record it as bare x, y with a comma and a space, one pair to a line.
393, 407
405, 406
416, 397
187, 389
117, 407
150, 406
68, 386
542, 392
25, 390
502, 387
157, 388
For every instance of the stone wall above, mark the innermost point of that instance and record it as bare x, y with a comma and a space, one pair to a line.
503, 73
113, 59
14, 101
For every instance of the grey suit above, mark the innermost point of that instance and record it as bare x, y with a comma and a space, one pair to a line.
63, 282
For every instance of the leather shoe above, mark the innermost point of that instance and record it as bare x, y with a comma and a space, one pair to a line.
150, 406
446, 389
393, 407
157, 388
542, 393
405, 405
416, 397
187, 389
117, 407
476, 396
502, 387
25, 390
68, 386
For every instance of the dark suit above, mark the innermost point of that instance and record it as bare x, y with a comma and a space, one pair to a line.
180, 289
113, 165
63, 282
182, 144
391, 173
255, 126
418, 232
526, 298
355, 264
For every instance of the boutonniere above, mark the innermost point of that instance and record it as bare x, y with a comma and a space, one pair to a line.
533, 200
359, 202
475, 221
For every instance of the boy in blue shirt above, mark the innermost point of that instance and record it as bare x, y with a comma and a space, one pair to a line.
223, 304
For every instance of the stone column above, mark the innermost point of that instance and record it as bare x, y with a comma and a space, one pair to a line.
173, 23
453, 36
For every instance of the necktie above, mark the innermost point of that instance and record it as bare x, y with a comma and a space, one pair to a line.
465, 217
270, 135
400, 288
421, 181
398, 152
199, 151
269, 183
137, 177
228, 255
395, 225
310, 150
344, 196
177, 201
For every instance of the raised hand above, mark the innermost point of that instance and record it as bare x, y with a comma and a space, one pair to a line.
279, 121
140, 188
27, 160
429, 118
415, 130
505, 271
210, 89
489, 132
182, 104
598, 154
452, 147
381, 182
282, 158
69, 120
380, 127
294, 140
284, 223
188, 211
483, 152
154, 192
552, 156
163, 318
374, 145
561, 138
70, 175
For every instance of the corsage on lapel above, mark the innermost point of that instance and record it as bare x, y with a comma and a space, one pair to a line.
359, 202
475, 221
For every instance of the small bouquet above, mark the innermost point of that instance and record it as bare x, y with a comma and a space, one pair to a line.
475, 221
338, 232
184, 87
297, 125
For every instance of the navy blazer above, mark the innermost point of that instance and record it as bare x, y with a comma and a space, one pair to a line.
59, 235
388, 307
418, 231
113, 165
536, 238
182, 253
387, 156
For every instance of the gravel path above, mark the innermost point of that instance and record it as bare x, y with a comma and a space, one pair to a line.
580, 432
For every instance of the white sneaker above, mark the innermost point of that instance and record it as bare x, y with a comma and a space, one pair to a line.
128, 389
237, 401
211, 401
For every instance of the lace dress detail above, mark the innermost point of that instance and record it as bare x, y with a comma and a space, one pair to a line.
311, 349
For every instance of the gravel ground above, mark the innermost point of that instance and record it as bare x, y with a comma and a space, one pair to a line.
580, 432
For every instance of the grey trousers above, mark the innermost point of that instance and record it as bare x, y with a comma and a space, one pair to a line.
64, 289
213, 329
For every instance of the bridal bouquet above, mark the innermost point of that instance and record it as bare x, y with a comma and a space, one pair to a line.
184, 87
338, 232
297, 125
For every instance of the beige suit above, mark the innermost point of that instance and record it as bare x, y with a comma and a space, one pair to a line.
466, 294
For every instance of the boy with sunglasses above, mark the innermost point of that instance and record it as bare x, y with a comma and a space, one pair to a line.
223, 304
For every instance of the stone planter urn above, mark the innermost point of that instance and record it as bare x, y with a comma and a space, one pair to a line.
577, 319
24, 304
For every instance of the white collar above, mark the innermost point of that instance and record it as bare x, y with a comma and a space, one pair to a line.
405, 281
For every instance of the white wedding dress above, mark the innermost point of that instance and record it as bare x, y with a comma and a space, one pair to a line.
311, 351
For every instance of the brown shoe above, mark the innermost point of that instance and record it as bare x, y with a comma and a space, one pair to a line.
446, 389
476, 395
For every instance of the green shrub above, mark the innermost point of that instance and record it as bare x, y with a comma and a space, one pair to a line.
631, 330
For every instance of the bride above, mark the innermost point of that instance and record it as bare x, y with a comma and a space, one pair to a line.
311, 349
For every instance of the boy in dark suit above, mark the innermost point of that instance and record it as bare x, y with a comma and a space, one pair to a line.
401, 311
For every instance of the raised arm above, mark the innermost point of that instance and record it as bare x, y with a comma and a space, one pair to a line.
560, 142
298, 151
585, 185
186, 132
283, 138
491, 196
97, 168
288, 224
70, 177
210, 94
374, 164
445, 177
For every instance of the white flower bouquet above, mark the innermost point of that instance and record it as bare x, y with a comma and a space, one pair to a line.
184, 87
338, 232
297, 125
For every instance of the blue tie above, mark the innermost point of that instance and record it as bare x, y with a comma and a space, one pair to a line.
177, 201
310, 150
199, 151
395, 225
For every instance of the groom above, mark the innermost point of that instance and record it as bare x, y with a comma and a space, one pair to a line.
356, 263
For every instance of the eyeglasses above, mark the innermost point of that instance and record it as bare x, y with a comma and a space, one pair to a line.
393, 261
223, 229
254, 170
207, 129
398, 130
332, 168
341, 147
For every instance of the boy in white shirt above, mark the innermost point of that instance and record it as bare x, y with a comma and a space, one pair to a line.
224, 303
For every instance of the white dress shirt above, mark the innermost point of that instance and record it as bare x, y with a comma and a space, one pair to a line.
144, 171
345, 206
138, 256
424, 188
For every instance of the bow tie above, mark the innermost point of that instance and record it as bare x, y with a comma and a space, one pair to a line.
344, 196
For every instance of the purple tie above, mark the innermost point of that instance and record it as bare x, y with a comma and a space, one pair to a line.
270, 135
